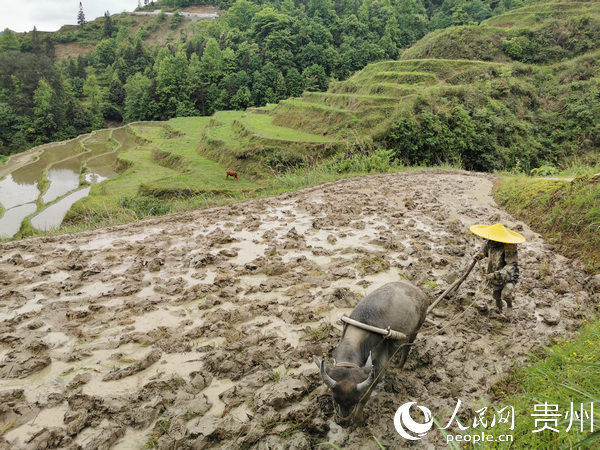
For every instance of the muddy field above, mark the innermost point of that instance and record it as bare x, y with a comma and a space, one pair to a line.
198, 330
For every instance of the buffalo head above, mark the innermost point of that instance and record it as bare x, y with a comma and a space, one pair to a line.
348, 386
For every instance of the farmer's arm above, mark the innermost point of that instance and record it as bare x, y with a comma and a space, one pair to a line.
483, 251
510, 272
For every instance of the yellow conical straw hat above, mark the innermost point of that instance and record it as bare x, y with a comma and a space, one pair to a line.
498, 233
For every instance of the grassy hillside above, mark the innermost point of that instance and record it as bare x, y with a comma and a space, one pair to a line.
541, 33
500, 114
74, 41
567, 213
156, 164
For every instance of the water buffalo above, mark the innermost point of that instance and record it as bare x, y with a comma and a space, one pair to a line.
361, 355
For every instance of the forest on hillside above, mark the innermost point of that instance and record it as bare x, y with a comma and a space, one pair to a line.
256, 53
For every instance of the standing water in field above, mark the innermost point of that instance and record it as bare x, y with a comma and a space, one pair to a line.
10, 222
63, 177
53, 215
101, 168
14, 193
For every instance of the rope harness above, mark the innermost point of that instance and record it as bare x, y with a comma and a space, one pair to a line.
346, 364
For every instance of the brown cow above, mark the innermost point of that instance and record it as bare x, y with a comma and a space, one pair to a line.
232, 173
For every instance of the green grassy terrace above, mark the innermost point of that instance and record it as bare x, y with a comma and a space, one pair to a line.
567, 213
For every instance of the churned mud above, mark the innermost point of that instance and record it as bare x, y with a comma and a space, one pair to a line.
197, 330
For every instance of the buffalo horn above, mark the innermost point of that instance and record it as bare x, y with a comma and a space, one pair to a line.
369, 363
329, 382
364, 385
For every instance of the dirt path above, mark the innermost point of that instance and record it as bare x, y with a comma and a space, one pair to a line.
199, 328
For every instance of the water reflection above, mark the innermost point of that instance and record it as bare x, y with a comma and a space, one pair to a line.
53, 215
13, 193
62, 162
10, 222
63, 177
32, 172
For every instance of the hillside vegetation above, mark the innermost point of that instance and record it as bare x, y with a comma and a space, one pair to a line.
129, 67
480, 115
566, 212
474, 114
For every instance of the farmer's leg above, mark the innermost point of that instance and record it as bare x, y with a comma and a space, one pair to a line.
497, 294
508, 294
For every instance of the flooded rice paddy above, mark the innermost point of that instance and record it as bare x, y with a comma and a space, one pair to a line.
53, 215
48, 180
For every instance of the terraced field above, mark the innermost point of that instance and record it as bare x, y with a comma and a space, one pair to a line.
40, 186
147, 167
101, 174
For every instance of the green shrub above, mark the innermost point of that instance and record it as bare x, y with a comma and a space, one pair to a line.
544, 171
379, 160
144, 206
176, 19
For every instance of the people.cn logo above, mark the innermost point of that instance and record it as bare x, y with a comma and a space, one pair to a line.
404, 423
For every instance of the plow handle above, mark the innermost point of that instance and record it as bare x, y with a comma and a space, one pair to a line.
454, 286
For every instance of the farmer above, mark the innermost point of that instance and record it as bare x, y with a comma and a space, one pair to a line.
503, 269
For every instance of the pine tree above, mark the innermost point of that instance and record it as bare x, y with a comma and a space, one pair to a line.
108, 25
36, 46
80, 15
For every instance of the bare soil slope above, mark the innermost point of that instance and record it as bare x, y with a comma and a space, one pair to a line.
198, 329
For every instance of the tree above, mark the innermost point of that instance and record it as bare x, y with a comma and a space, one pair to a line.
92, 91
43, 110
211, 62
280, 87
80, 15
294, 83
240, 14
36, 45
172, 84
138, 95
8, 128
8, 41
105, 53
48, 45
109, 27
267, 21
315, 78
216, 98
241, 99
112, 109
